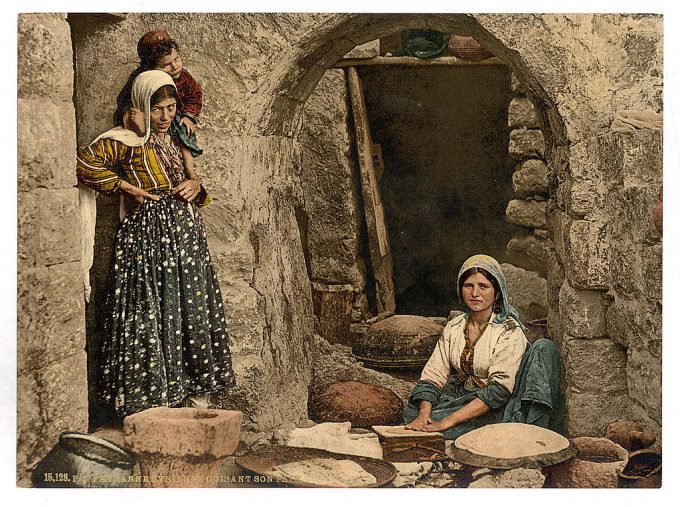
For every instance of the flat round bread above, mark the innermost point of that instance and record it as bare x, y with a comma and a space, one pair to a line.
326, 472
511, 440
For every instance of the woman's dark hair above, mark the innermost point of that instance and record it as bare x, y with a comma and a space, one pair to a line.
498, 295
164, 92
151, 55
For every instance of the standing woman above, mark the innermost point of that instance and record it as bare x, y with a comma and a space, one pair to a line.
166, 335
480, 351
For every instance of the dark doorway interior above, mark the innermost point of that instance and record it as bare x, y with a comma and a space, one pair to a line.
447, 181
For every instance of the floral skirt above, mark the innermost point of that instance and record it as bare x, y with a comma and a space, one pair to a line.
166, 335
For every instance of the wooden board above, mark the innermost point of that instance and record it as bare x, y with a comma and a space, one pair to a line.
378, 239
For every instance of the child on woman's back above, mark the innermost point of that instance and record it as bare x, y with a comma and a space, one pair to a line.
157, 50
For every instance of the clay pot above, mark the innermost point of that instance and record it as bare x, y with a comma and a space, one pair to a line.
362, 404
643, 470
467, 48
630, 435
596, 465
537, 329
182, 447
398, 342
80, 460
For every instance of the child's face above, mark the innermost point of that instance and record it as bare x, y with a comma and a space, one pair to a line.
172, 64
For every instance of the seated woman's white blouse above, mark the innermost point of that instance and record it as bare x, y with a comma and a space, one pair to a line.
497, 353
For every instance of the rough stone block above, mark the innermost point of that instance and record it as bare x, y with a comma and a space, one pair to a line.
595, 366
584, 190
644, 380
528, 292
635, 324
515, 478
51, 315
526, 144
244, 310
521, 113
59, 218
555, 280
588, 413
28, 228
369, 49
631, 158
556, 330
584, 312
530, 178
49, 401
631, 212
530, 252
558, 224
587, 263
233, 261
516, 85
47, 143
45, 64
526, 213
652, 267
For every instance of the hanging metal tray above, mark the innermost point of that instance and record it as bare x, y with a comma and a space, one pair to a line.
263, 461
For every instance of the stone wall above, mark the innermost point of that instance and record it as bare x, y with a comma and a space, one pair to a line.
530, 248
51, 385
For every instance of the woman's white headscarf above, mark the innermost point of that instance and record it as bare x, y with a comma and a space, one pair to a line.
494, 269
143, 87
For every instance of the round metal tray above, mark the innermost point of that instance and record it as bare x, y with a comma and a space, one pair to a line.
536, 461
263, 461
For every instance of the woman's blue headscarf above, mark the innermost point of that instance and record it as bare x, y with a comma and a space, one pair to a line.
491, 265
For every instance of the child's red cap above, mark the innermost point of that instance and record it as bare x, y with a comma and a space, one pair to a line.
149, 40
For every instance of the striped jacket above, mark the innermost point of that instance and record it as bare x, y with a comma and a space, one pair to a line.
104, 164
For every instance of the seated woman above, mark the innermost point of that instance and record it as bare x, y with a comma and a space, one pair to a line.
481, 350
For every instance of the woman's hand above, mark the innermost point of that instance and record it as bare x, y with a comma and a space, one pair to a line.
437, 426
137, 193
190, 125
187, 190
419, 423
134, 120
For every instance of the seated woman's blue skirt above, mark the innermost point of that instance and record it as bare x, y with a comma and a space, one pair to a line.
536, 398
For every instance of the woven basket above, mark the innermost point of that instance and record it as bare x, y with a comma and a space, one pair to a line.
262, 462
467, 48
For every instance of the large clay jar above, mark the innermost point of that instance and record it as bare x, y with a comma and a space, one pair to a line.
80, 460
643, 470
467, 48
630, 435
398, 342
362, 404
596, 465
182, 447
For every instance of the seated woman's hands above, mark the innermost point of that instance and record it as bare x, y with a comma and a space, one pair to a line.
419, 423
187, 190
